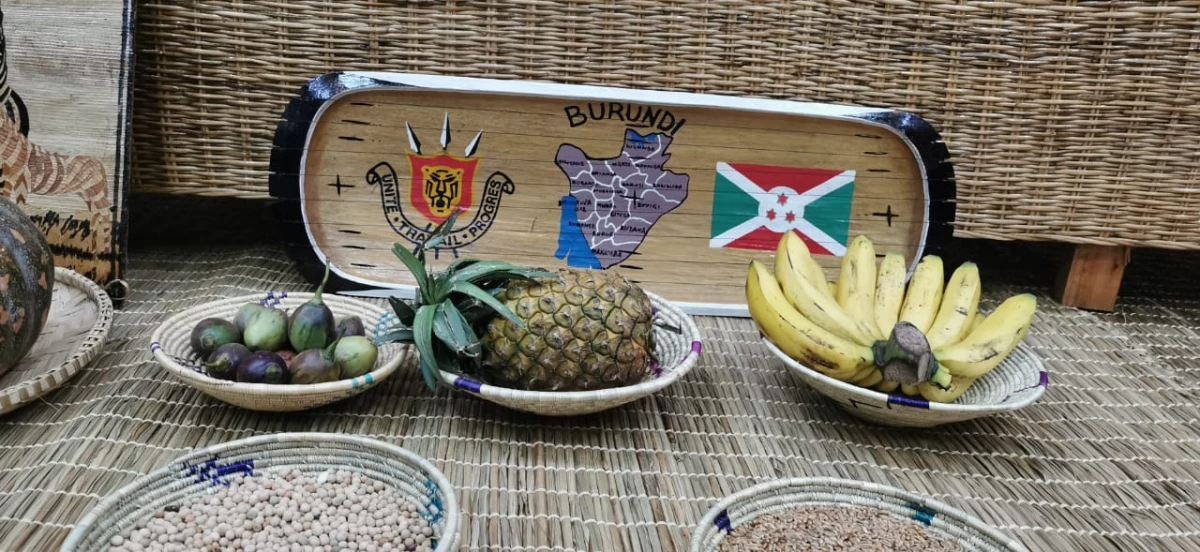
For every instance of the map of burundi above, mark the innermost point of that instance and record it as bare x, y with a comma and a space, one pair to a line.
614, 202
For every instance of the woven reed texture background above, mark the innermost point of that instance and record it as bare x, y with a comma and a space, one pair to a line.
1109, 459
1071, 121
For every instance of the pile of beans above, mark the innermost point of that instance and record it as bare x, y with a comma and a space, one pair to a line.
337, 511
834, 529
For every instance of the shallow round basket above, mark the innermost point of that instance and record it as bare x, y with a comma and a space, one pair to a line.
677, 354
1016, 383
170, 345
775, 496
204, 471
81, 315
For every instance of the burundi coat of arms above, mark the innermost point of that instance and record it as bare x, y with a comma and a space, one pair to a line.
439, 185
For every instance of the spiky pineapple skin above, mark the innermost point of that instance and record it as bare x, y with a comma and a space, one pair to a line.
585, 330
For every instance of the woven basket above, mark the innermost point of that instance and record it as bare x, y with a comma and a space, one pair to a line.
775, 496
81, 315
677, 353
170, 345
1066, 120
1015, 383
311, 453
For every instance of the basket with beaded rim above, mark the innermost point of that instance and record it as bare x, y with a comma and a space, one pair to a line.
764, 499
205, 470
1015, 383
170, 346
677, 353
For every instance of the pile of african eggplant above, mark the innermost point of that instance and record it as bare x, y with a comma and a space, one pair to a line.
266, 345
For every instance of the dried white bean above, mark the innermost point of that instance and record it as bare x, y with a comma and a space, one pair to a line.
287, 512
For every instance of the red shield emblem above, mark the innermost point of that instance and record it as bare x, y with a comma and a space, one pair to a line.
440, 184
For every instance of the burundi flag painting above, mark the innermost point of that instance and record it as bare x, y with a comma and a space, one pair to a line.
753, 205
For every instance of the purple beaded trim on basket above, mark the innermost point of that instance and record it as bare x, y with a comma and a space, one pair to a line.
1043, 381
907, 401
273, 299
468, 384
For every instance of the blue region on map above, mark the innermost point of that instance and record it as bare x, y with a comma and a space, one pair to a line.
572, 245
614, 202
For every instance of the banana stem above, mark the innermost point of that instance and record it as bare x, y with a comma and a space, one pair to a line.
905, 357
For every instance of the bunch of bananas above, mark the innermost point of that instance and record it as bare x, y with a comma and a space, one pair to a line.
924, 338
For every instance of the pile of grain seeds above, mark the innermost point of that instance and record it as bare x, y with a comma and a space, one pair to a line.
834, 529
333, 512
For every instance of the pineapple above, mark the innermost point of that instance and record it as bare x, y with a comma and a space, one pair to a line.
584, 330
524, 328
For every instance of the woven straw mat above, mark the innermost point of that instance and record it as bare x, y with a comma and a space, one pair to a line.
1109, 459
1067, 120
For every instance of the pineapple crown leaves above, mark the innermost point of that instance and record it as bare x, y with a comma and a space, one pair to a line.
450, 304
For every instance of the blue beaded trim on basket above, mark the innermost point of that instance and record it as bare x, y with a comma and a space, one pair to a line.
922, 514
216, 472
367, 379
386, 320
722, 522
435, 500
155, 347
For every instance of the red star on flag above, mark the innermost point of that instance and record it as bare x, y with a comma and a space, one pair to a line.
783, 199
771, 214
791, 217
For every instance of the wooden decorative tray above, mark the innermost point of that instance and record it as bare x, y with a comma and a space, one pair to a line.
676, 191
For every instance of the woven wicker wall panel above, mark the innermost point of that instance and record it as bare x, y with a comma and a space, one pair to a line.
1067, 121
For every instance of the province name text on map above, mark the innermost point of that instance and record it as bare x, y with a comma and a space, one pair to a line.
613, 203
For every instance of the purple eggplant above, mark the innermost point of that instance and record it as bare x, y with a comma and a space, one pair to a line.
354, 355
348, 326
266, 330
311, 324
223, 363
313, 366
211, 333
263, 367
242, 318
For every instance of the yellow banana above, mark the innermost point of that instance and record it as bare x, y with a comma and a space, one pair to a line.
924, 293
803, 262
975, 322
818, 307
886, 386
990, 343
872, 378
932, 393
911, 390
832, 289
889, 292
797, 336
959, 302
856, 286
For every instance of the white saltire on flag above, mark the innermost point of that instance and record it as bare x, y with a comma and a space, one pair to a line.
753, 205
